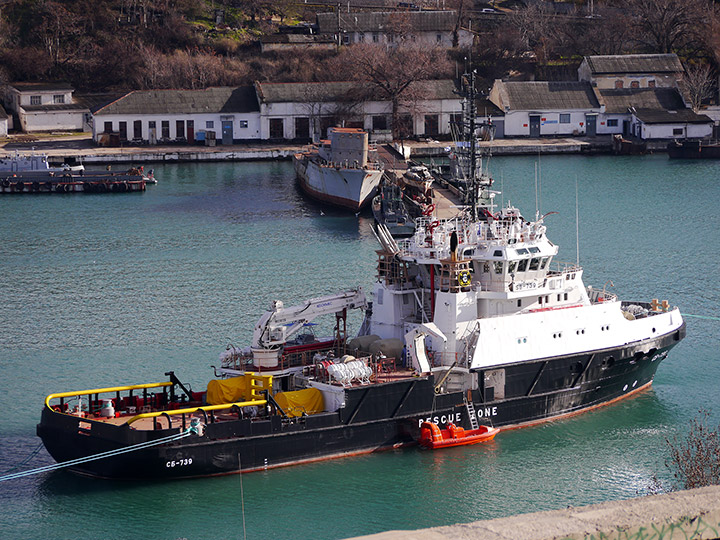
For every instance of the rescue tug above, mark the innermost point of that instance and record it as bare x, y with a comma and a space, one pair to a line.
472, 323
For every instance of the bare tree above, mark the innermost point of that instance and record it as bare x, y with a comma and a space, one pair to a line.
394, 73
663, 26
536, 25
697, 84
695, 461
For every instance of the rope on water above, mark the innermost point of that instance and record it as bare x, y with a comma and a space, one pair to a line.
95, 457
26, 460
702, 317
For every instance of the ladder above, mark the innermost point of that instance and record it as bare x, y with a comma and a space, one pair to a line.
471, 412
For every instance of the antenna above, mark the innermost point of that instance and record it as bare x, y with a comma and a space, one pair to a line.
577, 226
537, 211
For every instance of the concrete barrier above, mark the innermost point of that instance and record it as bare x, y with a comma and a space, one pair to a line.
692, 514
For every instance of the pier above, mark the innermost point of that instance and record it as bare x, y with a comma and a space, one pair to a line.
683, 514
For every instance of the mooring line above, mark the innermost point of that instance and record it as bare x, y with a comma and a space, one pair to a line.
102, 455
702, 317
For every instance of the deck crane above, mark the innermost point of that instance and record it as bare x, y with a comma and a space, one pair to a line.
279, 323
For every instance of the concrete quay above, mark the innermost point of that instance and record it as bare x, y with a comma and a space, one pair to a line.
82, 146
692, 514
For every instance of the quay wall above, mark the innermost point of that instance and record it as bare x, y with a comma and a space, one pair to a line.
692, 514
84, 148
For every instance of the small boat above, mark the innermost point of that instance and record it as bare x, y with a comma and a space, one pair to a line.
389, 209
693, 150
431, 436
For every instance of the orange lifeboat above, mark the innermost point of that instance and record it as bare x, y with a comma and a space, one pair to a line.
431, 436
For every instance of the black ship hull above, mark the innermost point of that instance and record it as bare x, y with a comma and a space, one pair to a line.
375, 417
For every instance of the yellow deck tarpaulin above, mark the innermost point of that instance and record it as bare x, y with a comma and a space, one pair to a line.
295, 403
230, 390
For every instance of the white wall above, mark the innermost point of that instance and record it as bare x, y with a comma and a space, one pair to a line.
602, 124
200, 120
3, 127
665, 131
517, 123
52, 121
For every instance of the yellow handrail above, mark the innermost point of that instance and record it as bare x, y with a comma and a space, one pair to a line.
105, 390
195, 409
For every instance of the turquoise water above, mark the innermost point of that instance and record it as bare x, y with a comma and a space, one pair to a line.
105, 289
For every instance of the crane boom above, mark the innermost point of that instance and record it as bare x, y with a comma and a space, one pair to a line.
279, 323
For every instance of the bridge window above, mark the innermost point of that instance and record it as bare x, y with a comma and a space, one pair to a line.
522, 265
534, 263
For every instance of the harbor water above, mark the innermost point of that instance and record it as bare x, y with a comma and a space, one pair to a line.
100, 290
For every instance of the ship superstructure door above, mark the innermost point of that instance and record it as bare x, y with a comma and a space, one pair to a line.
494, 384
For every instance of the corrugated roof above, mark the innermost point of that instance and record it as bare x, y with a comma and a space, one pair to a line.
211, 100
345, 91
55, 107
418, 21
618, 100
296, 38
682, 116
634, 63
41, 86
546, 95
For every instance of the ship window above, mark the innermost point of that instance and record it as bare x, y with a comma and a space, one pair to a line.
35, 100
498, 267
565, 296
486, 267
540, 299
543, 262
547, 299
534, 250
512, 267
521, 251
519, 302
534, 263
522, 265
558, 298
497, 253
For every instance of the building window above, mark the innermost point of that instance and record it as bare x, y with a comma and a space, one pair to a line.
243, 124
438, 38
678, 131
379, 122
651, 84
346, 39
108, 127
361, 37
165, 125
209, 124
376, 38
59, 98
565, 118
618, 83
151, 124
635, 84
612, 122
35, 100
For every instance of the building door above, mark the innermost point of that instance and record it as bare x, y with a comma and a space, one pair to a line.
591, 121
302, 128
191, 131
432, 124
123, 131
137, 129
179, 129
534, 125
227, 132
626, 127
277, 128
